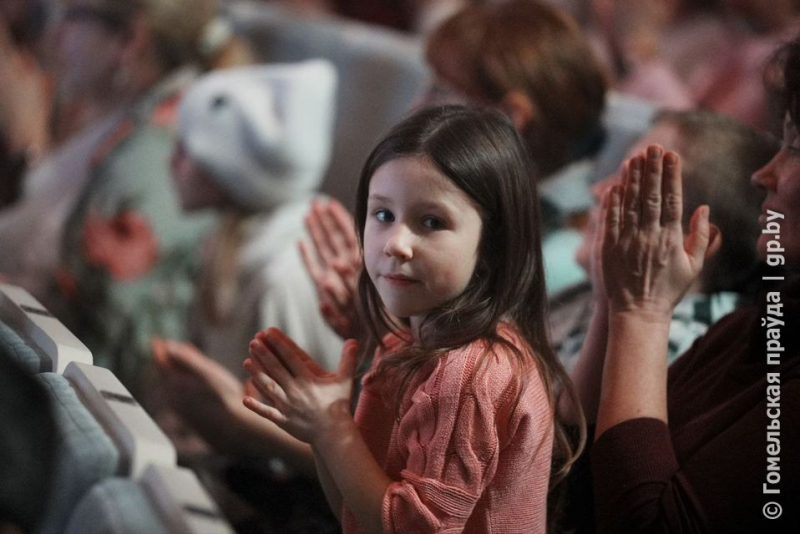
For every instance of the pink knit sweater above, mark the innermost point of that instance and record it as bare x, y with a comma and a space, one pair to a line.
463, 456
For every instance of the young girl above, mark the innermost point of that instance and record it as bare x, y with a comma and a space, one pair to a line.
454, 429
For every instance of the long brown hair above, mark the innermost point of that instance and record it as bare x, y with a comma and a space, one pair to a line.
483, 155
540, 51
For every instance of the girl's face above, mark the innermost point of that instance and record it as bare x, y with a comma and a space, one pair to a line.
421, 237
196, 188
780, 178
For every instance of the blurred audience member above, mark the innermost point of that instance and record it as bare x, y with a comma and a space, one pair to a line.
88, 111
734, 82
253, 145
418, 16
631, 35
25, 93
128, 253
531, 60
671, 442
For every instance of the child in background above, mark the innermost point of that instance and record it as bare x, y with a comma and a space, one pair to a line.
254, 144
455, 425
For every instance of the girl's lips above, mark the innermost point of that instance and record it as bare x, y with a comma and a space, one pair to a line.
399, 279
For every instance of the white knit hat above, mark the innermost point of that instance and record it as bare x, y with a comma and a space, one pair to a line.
262, 132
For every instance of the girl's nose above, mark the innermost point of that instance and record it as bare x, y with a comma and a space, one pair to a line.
398, 244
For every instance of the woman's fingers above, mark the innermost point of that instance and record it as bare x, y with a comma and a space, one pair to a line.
651, 189
697, 241
672, 187
631, 185
609, 232
611, 224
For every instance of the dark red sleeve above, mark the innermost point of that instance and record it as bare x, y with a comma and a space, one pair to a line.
637, 483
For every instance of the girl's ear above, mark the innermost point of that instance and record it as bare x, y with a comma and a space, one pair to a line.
520, 109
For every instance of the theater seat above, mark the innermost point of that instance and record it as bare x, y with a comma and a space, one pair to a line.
381, 73
13, 346
115, 506
138, 438
84, 456
183, 503
43, 333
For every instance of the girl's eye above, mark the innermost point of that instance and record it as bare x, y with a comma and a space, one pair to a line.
384, 215
433, 223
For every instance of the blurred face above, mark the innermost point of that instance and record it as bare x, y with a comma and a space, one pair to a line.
87, 50
780, 179
421, 238
664, 134
196, 188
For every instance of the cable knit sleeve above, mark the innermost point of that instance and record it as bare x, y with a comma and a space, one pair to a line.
450, 436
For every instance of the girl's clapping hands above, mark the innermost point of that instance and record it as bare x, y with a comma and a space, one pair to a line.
302, 398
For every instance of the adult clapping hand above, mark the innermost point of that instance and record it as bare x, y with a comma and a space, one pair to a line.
648, 265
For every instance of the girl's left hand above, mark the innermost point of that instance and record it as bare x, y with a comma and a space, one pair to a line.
303, 399
334, 264
648, 263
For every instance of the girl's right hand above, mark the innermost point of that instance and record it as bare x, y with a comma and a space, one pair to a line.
334, 265
301, 397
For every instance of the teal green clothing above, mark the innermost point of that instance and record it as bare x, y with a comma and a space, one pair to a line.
561, 270
117, 318
563, 195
